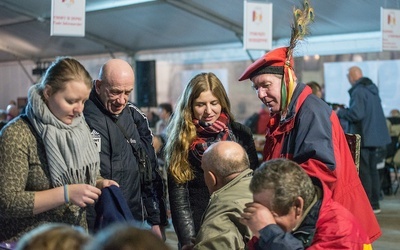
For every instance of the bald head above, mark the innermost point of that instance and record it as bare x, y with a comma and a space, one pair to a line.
355, 74
12, 111
116, 69
224, 160
115, 85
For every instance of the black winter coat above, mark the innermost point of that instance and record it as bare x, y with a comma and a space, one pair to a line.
118, 161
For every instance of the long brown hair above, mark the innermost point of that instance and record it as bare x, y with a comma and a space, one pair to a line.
181, 130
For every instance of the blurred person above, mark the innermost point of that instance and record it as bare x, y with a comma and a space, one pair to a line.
227, 175
12, 111
258, 122
365, 116
290, 212
394, 113
303, 128
202, 117
316, 88
49, 165
152, 118
121, 130
165, 113
123, 236
393, 124
54, 236
3, 118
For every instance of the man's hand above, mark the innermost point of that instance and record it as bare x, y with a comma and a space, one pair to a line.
103, 183
256, 217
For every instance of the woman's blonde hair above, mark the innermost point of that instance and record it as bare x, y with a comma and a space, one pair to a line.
182, 131
62, 71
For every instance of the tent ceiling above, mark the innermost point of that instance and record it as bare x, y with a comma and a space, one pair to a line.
164, 24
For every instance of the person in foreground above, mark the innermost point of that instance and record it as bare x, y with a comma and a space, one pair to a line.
54, 236
124, 236
227, 175
121, 130
290, 212
49, 166
202, 117
305, 129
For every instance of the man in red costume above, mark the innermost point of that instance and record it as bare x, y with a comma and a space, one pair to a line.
304, 128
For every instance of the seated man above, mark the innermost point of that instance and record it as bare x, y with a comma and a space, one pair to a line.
227, 175
290, 212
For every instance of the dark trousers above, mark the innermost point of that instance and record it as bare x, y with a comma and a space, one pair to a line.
369, 175
386, 181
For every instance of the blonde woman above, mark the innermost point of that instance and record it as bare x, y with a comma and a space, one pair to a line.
202, 117
49, 165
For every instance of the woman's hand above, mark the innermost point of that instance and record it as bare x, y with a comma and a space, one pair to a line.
83, 194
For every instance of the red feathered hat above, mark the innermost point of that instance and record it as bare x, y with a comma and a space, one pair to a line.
276, 61
272, 62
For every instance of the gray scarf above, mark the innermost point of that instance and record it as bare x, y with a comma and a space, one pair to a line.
71, 153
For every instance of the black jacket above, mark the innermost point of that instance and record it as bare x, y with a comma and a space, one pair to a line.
188, 201
118, 161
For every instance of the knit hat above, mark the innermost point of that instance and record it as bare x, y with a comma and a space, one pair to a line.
276, 61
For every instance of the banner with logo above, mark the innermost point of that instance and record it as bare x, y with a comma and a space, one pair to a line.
68, 18
257, 26
390, 27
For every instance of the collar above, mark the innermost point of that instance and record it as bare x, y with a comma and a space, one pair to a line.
246, 173
317, 196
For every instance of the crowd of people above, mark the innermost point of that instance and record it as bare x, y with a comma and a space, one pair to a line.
78, 139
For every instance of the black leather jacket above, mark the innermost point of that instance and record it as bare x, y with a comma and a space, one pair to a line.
188, 201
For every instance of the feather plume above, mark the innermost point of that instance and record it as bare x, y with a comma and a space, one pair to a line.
299, 29
301, 19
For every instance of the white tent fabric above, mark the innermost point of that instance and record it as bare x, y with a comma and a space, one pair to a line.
124, 26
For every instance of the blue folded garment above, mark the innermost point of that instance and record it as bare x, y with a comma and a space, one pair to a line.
111, 208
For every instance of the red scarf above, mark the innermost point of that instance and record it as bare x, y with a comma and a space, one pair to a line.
209, 134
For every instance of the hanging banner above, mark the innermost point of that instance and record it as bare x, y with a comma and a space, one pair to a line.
390, 28
257, 26
68, 18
